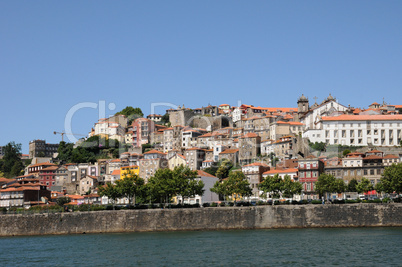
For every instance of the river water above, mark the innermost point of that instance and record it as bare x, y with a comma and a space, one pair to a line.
285, 247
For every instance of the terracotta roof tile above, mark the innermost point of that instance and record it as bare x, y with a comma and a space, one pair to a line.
154, 151
389, 156
275, 171
205, 174
116, 172
363, 118
256, 164
229, 151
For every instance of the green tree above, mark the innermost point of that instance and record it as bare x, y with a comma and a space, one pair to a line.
345, 152
11, 163
165, 118
65, 151
211, 170
352, 185
63, 200
129, 186
339, 186
110, 191
161, 186
391, 180
327, 183
146, 147
185, 182
290, 188
364, 186
17, 169
131, 113
238, 185
318, 146
272, 185
220, 187
223, 169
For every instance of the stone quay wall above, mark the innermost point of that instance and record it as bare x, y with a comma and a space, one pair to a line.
222, 218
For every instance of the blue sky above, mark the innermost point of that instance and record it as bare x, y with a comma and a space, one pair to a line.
55, 55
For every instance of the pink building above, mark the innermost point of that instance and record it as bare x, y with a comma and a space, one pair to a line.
140, 131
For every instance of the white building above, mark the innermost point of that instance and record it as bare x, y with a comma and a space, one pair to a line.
111, 129
189, 138
292, 173
316, 112
237, 115
208, 196
359, 130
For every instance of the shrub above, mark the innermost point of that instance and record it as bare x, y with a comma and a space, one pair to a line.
222, 204
98, 207
206, 205
397, 200
213, 204
84, 207
260, 203
337, 201
386, 200
352, 201
304, 201
231, 204
316, 201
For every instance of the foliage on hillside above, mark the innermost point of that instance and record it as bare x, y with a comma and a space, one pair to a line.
90, 150
11, 164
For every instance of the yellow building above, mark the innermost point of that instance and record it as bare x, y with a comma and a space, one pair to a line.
129, 169
177, 160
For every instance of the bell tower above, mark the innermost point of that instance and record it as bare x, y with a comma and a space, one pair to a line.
302, 105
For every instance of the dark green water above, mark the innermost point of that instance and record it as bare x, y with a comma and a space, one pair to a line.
290, 247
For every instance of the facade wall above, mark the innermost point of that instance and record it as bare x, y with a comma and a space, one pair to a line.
358, 133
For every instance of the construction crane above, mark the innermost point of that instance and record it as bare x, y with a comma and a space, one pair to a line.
63, 133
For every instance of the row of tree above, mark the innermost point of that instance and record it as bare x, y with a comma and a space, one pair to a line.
391, 182
236, 186
160, 188
181, 181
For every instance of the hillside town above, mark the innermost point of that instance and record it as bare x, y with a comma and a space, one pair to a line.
303, 142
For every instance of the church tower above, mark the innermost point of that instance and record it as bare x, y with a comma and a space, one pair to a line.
302, 105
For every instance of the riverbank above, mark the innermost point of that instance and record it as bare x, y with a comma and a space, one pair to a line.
257, 217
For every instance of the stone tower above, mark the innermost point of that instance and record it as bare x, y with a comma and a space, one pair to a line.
302, 105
